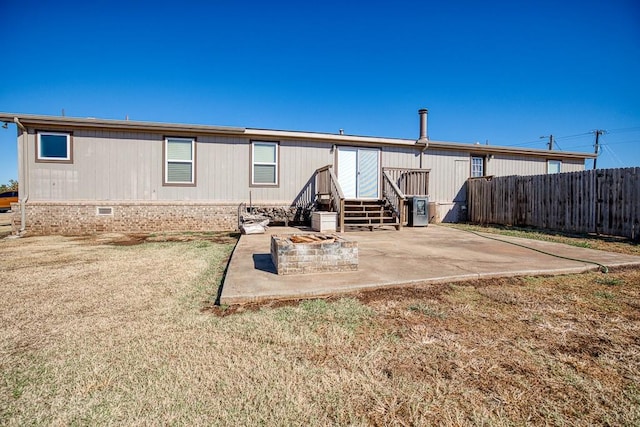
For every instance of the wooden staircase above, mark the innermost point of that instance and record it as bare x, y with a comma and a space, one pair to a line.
369, 213
356, 213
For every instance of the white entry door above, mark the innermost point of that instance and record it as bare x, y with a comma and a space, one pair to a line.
358, 172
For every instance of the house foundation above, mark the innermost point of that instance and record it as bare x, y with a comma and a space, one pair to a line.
84, 218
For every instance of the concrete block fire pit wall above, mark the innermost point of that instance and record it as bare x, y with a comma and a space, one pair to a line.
313, 253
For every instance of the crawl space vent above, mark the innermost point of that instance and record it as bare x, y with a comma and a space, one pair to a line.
105, 210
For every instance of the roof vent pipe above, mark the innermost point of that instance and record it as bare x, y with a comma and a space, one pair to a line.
423, 139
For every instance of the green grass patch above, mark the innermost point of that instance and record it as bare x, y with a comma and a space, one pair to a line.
605, 295
610, 281
427, 310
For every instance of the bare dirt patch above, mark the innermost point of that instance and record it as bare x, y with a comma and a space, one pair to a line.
132, 239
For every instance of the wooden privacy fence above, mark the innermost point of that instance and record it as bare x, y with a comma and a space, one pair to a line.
603, 201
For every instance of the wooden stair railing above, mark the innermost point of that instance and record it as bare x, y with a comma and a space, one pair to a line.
394, 197
327, 185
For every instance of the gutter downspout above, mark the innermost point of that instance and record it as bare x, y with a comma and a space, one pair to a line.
24, 186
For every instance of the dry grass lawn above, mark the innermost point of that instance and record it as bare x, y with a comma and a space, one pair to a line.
96, 333
591, 241
5, 224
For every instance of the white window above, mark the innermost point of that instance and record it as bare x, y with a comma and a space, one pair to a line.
554, 166
53, 146
477, 167
179, 161
264, 163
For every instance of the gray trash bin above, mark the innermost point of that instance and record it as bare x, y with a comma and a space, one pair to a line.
419, 211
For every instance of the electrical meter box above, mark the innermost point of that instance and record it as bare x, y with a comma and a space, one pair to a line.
419, 211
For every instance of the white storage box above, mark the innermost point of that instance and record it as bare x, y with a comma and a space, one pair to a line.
324, 221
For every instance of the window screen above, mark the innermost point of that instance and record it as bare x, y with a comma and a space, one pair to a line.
264, 169
179, 161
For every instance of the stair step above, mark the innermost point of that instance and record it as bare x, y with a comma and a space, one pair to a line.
367, 221
364, 202
364, 209
355, 218
377, 209
367, 214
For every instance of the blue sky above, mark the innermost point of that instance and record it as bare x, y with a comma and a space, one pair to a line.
506, 72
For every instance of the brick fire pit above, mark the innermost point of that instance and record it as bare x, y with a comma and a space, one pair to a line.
313, 253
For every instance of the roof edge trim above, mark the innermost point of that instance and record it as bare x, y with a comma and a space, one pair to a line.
253, 133
38, 120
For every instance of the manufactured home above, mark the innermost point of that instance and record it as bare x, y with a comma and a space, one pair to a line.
87, 175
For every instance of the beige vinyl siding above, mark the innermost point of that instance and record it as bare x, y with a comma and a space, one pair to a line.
444, 183
221, 165
400, 157
442, 179
118, 165
298, 163
572, 165
501, 165
112, 165
513, 165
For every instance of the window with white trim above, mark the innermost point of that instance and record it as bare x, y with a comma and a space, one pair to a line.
264, 163
477, 166
53, 146
554, 166
179, 161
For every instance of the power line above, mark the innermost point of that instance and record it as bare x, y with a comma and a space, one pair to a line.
624, 142
575, 147
613, 154
555, 139
573, 136
623, 130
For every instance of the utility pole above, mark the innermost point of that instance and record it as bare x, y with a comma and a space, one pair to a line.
598, 132
550, 143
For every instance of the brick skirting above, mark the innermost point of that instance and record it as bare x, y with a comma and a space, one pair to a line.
84, 218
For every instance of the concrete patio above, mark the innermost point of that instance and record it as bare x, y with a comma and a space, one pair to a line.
433, 254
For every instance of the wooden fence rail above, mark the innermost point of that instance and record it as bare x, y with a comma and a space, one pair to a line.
603, 201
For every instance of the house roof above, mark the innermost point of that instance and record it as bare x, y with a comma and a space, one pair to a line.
57, 122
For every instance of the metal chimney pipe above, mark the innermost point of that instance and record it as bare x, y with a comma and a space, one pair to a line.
423, 139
